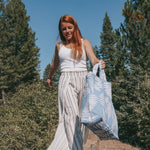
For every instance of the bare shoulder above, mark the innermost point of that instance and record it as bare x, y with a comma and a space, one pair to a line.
57, 47
86, 43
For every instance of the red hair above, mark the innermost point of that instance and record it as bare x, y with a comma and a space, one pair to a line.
77, 45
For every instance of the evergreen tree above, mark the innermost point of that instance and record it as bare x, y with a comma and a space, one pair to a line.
136, 36
19, 54
107, 48
5, 54
113, 53
46, 72
55, 78
118, 88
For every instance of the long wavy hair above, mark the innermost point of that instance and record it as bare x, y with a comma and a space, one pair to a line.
77, 44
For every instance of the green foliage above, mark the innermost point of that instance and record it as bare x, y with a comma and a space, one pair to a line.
46, 72
55, 78
19, 56
30, 117
110, 50
126, 52
132, 90
142, 112
107, 46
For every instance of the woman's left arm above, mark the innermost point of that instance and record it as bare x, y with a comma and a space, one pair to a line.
90, 53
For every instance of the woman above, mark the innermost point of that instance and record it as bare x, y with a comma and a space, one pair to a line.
71, 53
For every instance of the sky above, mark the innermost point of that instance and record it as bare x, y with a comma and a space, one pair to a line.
89, 14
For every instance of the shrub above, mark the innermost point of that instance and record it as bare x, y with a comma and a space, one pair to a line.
29, 118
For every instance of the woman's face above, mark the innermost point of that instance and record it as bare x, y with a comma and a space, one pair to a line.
67, 30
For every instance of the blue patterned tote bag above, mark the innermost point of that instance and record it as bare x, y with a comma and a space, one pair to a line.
97, 112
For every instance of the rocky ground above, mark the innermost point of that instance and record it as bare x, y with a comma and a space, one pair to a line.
94, 143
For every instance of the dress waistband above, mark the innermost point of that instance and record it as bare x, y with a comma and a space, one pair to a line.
74, 72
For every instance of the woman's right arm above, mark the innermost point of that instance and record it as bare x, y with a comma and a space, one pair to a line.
54, 65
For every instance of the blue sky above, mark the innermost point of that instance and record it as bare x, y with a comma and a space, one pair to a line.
89, 14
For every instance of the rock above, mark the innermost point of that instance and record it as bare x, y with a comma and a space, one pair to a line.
94, 143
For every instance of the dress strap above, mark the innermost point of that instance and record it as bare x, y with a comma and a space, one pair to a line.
60, 45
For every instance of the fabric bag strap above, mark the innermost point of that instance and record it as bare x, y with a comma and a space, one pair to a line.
102, 74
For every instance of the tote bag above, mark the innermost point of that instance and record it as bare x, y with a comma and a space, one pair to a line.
97, 111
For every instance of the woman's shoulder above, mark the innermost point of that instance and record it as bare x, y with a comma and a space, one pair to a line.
58, 45
86, 42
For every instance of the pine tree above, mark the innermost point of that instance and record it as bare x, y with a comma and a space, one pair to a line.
19, 54
136, 37
5, 54
46, 72
114, 55
120, 72
107, 48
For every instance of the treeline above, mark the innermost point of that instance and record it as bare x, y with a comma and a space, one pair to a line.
28, 109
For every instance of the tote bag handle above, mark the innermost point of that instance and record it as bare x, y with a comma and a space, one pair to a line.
102, 74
